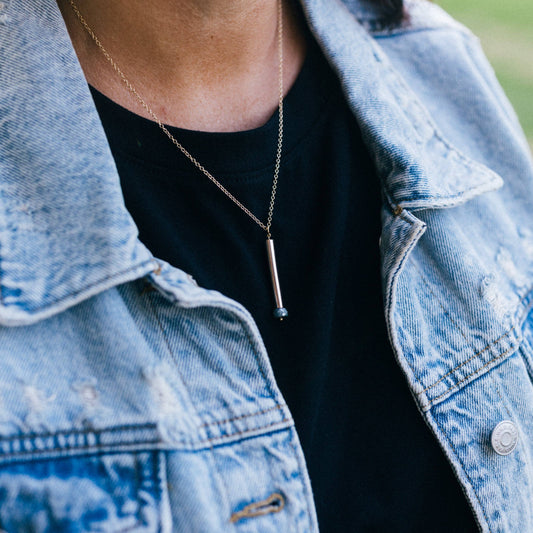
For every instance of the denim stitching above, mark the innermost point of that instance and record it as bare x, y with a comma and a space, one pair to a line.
528, 294
246, 431
467, 361
470, 375
99, 446
397, 210
513, 328
448, 197
389, 294
464, 470
264, 411
95, 432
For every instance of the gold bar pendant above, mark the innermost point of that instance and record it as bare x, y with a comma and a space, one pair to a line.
280, 311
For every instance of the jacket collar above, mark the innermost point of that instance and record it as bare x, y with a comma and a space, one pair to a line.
65, 233
418, 167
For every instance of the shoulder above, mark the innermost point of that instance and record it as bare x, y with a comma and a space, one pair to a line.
443, 62
425, 15
418, 15
427, 45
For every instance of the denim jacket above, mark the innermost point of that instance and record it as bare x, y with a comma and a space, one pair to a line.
132, 399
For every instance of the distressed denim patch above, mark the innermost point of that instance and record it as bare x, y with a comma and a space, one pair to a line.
97, 493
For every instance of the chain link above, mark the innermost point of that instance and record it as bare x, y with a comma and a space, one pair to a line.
266, 227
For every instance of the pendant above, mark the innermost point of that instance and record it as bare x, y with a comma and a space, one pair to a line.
280, 311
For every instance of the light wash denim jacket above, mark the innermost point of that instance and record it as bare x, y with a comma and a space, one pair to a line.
133, 400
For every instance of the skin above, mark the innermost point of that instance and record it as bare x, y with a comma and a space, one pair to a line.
208, 65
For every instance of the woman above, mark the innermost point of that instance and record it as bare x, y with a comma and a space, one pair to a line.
143, 148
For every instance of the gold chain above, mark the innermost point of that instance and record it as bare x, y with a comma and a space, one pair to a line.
178, 145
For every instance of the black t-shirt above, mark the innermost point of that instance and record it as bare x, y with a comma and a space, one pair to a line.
373, 464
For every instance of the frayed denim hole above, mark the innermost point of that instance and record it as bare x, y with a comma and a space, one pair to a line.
4, 17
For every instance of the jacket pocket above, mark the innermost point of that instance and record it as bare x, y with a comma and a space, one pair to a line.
115, 491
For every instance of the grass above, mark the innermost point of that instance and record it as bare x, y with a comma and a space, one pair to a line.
505, 30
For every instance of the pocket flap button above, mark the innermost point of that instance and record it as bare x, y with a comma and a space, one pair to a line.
504, 437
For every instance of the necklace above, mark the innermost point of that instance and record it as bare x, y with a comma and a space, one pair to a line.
279, 312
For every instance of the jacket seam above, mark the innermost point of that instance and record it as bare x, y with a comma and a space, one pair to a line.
245, 431
450, 197
394, 281
242, 417
500, 356
157, 442
506, 334
96, 432
88, 449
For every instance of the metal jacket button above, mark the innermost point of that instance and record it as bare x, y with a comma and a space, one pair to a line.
504, 437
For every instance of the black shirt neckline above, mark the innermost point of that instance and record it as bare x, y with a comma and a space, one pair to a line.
223, 153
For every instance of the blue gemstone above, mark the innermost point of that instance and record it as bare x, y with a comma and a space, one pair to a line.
281, 313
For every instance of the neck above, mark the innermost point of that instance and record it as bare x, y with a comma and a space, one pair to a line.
199, 64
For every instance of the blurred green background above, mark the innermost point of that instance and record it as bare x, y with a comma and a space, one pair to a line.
505, 28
